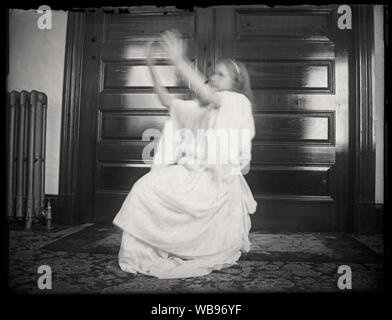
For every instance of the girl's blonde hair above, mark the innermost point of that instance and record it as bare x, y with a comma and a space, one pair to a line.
240, 77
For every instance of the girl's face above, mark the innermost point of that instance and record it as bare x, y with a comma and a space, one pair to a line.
221, 79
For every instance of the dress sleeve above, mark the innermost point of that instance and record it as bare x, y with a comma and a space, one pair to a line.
248, 124
236, 113
245, 118
248, 121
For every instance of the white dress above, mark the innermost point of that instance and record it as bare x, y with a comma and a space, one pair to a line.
186, 219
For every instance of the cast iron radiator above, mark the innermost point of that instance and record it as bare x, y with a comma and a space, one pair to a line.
26, 137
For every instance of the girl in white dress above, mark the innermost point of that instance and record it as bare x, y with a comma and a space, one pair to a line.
190, 215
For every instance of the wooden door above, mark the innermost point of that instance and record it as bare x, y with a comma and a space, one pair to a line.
297, 59
298, 63
120, 103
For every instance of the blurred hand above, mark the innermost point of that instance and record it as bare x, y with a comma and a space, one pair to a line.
173, 45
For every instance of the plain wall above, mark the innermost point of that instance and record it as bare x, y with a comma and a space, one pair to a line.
378, 101
36, 62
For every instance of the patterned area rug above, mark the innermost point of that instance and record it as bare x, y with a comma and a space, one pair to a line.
99, 273
305, 247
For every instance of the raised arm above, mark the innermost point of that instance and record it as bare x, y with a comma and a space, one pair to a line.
163, 95
174, 46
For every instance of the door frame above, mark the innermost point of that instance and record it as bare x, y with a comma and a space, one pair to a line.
365, 216
67, 204
362, 209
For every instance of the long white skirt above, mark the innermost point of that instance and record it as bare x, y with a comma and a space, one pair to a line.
180, 223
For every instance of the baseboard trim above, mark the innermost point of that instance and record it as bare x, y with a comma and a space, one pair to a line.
66, 209
370, 218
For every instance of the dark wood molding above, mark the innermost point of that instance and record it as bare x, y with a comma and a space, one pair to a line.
7, 34
69, 148
370, 218
94, 22
362, 143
